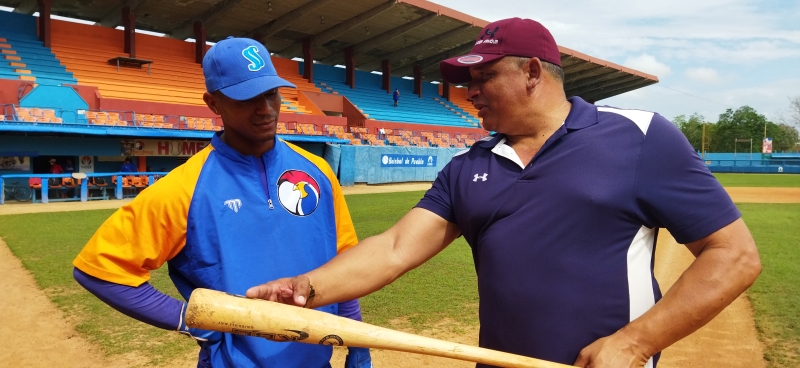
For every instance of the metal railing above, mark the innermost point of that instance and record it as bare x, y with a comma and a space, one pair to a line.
81, 191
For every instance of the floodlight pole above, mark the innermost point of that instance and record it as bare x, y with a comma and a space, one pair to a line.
703, 143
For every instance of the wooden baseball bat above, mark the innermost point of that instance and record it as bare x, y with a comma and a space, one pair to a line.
218, 311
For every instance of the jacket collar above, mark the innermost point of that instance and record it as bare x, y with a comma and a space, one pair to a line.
234, 155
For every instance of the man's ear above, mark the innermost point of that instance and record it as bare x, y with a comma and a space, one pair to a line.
211, 101
535, 72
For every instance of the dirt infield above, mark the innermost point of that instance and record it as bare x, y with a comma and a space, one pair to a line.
764, 195
34, 333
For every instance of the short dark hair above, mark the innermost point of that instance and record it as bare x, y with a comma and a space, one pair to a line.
554, 70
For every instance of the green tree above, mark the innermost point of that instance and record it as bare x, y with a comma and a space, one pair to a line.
785, 138
746, 123
794, 112
692, 128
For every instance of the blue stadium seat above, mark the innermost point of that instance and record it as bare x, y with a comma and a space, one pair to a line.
377, 104
19, 31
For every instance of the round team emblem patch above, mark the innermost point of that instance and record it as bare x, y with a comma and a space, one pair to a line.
298, 192
470, 59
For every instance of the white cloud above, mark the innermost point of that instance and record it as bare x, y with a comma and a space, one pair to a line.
706, 75
648, 64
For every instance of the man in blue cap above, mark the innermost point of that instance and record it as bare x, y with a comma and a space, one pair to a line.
246, 209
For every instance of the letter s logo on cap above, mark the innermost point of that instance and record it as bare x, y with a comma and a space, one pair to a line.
256, 61
470, 59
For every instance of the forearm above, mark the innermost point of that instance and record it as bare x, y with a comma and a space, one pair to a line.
143, 303
359, 271
381, 259
714, 280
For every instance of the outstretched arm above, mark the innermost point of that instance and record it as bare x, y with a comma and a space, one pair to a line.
144, 303
727, 264
367, 267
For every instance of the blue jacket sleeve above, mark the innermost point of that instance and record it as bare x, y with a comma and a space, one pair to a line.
143, 303
356, 357
350, 309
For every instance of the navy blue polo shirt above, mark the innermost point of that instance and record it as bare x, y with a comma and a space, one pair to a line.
564, 246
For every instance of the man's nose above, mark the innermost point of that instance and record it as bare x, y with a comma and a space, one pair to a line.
264, 105
472, 90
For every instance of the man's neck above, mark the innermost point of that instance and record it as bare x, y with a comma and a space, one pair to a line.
246, 147
539, 126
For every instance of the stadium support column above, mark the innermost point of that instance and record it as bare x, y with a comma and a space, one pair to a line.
350, 67
44, 21
129, 22
308, 60
446, 90
199, 42
142, 164
418, 80
386, 75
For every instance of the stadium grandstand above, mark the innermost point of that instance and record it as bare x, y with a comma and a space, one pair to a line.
90, 84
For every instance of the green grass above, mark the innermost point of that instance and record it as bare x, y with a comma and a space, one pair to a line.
776, 293
759, 180
46, 243
442, 289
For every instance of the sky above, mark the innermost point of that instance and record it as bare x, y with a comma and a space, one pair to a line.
709, 55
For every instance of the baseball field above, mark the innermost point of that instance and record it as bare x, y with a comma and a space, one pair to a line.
50, 321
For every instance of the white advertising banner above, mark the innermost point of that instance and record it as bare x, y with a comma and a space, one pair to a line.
86, 164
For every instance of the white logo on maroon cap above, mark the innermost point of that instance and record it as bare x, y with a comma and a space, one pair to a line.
470, 59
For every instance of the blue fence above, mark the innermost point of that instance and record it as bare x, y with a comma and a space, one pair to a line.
380, 165
19, 186
753, 163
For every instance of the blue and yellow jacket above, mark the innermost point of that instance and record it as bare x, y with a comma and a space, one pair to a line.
228, 222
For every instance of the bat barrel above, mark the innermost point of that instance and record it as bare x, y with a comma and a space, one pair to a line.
218, 311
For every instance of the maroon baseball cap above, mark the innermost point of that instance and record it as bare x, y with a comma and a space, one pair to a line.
506, 37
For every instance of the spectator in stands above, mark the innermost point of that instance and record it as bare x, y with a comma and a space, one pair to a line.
220, 230
68, 167
55, 168
396, 96
128, 166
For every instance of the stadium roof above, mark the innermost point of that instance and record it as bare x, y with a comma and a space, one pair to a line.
406, 32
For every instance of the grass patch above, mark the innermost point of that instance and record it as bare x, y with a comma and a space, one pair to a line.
46, 243
776, 293
759, 180
444, 287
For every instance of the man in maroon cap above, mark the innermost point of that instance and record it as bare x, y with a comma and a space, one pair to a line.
562, 209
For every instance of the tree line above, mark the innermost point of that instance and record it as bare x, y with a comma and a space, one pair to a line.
743, 123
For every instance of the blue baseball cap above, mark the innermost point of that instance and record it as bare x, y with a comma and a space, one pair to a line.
241, 69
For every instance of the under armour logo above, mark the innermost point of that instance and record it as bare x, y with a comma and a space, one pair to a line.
234, 204
483, 178
490, 33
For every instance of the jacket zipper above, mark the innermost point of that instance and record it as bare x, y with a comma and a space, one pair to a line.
262, 172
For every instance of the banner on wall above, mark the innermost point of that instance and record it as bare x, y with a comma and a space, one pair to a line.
394, 160
171, 148
86, 164
16, 163
767, 146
